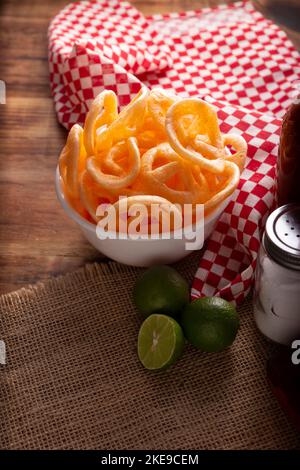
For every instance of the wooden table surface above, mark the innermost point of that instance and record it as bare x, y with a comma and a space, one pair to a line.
37, 240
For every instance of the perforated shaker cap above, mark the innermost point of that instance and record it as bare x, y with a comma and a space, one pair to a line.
282, 236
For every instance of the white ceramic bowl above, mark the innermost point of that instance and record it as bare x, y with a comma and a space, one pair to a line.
137, 252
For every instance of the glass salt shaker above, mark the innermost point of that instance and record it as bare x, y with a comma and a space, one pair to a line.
277, 277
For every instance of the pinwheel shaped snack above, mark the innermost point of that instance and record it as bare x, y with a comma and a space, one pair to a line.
159, 146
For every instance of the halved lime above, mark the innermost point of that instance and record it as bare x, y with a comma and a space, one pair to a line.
160, 342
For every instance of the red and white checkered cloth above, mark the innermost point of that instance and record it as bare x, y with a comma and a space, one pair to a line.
231, 54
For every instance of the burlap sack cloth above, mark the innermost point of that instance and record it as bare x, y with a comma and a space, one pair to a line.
73, 379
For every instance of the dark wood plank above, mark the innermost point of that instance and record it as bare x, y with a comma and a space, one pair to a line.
36, 238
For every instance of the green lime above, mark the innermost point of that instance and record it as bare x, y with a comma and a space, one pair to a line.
161, 289
160, 342
210, 323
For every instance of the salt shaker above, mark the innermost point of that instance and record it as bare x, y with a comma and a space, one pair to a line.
277, 277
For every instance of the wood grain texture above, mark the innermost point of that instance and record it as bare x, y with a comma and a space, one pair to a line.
36, 238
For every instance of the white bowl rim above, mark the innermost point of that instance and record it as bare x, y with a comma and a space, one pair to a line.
92, 227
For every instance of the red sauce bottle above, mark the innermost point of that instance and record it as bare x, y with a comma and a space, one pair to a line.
288, 164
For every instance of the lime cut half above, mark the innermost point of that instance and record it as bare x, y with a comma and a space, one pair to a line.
160, 342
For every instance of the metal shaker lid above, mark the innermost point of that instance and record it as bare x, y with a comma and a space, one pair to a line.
282, 236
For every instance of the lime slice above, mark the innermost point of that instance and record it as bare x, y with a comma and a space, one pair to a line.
160, 342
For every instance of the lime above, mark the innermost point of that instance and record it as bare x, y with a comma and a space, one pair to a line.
210, 323
160, 342
161, 289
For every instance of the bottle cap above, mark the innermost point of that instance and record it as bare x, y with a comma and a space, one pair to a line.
282, 236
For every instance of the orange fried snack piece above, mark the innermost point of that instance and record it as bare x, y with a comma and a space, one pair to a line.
193, 119
91, 195
159, 166
159, 103
103, 111
72, 160
228, 182
238, 143
118, 179
128, 122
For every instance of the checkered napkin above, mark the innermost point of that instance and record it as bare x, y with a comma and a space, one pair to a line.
231, 54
